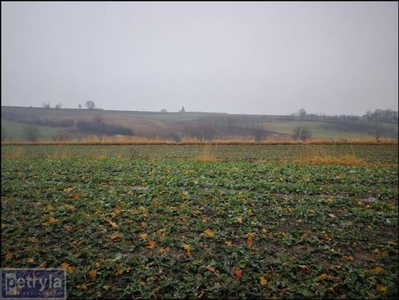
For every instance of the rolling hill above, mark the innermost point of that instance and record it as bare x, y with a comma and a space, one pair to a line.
75, 124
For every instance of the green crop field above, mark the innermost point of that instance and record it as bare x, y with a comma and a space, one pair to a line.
387, 154
205, 221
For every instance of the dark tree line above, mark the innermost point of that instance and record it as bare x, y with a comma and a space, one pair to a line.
57, 123
99, 127
379, 115
34, 120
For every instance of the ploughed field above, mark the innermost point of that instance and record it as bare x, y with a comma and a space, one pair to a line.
214, 221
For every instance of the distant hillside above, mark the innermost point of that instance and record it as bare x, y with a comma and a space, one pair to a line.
69, 124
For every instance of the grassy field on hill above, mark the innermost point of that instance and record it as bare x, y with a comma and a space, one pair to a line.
287, 127
15, 130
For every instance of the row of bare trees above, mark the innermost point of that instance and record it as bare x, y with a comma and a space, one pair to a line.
89, 105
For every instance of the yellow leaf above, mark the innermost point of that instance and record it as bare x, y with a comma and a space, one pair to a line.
151, 244
228, 243
68, 267
50, 220
187, 248
162, 233
325, 235
76, 243
143, 236
49, 207
164, 250
239, 220
82, 286
264, 230
106, 287
68, 227
68, 190
210, 268
75, 196
144, 211
250, 242
332, 266
143, 224
64, 265
378, 269
92, 274
115, 236
380, 253
33, 240
30, 260
325, 276
43, 265
113, 224
70, 207
349, 257
251, 235
9, 255
209, 233
381, 288
97, 265
262, 281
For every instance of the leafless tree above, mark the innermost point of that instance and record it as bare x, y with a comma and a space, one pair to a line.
302, 133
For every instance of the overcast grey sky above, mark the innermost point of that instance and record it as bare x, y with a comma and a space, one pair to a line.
234, 57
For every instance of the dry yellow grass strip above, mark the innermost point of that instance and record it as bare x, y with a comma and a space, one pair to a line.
139, 140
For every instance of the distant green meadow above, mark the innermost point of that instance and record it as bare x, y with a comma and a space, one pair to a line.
160, 221
15, 131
